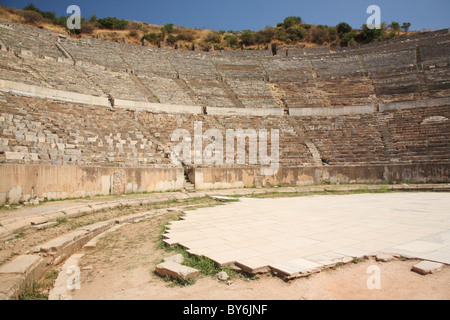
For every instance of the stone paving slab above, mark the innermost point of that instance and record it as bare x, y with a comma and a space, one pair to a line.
11, 285
427, 267
21, 265
16, 275
296, 268
176, 271
298, 235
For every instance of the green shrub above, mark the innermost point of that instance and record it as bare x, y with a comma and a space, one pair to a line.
332, 34
283, 36
231, 40
392, 34
319, 36
343, 28
248, 37
369, 35
153, 38
405, 26
112, 23
87, 28
395, 26
167, 29
62, 21
213, 37
296, 33
92, 18
347, 38
33, 17
185, 36
171, 39
265, 36
291, 21
133, 34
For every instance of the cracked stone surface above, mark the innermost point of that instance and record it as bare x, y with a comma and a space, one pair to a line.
298, 236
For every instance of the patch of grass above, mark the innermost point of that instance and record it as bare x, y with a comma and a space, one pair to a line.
402, 258
51, 274
33, 293
60, 221
12, 255
338, 265
356, 260
177, 282
250, 277
20, 235
40, 290
206, 266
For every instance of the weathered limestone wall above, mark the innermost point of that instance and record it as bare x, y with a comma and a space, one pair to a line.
223, 178
25, 182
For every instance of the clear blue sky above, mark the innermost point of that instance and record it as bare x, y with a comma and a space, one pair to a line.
254, 14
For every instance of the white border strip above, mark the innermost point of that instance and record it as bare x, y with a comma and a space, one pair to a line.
47, 93
332, 111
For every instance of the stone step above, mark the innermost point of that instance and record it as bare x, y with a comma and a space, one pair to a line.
176, 271
427, 267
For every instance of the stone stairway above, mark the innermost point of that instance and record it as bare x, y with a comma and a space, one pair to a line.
188, 185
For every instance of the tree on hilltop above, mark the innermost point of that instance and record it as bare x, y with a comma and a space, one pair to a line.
395, 26
343, 28
406, 26
167, 29
291, 21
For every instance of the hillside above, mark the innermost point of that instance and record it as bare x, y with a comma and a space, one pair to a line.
292, 32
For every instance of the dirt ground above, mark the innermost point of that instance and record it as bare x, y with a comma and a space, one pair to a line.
122, 268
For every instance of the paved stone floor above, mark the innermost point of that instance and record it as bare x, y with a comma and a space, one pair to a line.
293, 236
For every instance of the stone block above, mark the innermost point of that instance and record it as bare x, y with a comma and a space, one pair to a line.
14, 155
427, 267
384, 257
16, 225
4, 232
53, 216
21, 265
43, 226
20, 149
38, 220
2, 198
4, 141
296, 268
31, 137
78, 211
98, 227
15, 194
59, 245
178, 258
176, 271
223, 276
10, 286
26, 269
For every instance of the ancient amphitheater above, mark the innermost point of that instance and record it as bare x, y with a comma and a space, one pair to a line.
85, 118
